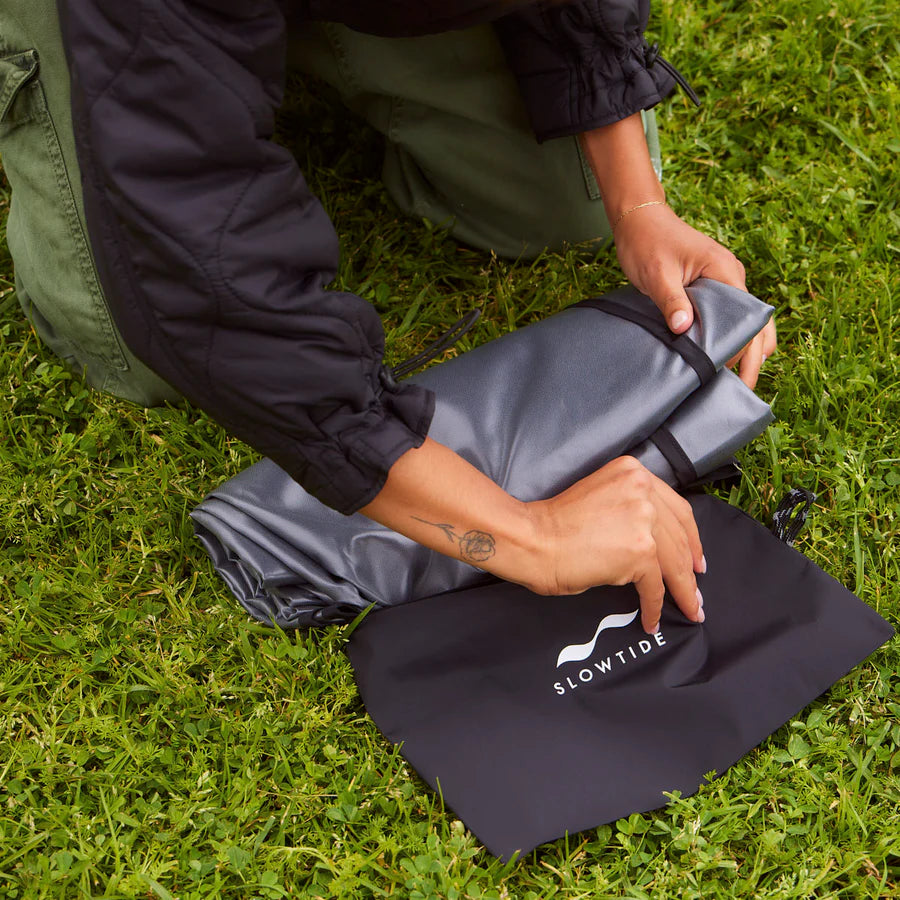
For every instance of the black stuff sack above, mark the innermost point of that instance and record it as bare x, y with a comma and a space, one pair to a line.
537, 716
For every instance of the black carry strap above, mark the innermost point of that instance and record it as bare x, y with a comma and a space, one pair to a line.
451, 336
674, 454
728, 475
690, 352
790, 516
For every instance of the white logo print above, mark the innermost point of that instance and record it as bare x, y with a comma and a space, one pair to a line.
577, 652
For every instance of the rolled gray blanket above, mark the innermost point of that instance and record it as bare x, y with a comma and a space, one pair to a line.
535, 410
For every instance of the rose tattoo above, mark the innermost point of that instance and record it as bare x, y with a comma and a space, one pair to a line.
474, 546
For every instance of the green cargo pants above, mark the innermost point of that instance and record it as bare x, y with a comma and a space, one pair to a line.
459, 149
458, 152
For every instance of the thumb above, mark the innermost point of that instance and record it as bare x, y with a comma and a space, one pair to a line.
674, 304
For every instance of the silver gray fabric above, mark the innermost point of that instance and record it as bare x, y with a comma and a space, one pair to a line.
535, 410
710, 427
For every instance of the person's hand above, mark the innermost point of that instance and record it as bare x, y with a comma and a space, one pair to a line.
660, 254
620, 525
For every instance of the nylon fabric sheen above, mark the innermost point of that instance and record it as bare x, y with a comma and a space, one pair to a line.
709, 426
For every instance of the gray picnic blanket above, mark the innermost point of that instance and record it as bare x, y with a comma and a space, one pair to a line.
535, 410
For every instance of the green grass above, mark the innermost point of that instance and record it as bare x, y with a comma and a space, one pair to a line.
156, 743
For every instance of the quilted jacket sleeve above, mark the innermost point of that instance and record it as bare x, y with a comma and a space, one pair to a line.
214, 254
582, 64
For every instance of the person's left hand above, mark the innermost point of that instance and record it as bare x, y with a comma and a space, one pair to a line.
660, 254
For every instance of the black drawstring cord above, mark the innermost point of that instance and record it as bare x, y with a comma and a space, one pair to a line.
651, 57
790, 517
434, 349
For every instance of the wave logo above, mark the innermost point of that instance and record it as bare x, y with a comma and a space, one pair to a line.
578, 652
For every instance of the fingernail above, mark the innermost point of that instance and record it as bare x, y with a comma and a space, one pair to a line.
678, 319
703, 565
654, 629
700, 598
764, 358
701, 616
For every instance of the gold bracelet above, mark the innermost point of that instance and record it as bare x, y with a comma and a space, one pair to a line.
633, 208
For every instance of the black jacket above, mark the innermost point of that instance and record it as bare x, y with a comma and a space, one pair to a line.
214, 255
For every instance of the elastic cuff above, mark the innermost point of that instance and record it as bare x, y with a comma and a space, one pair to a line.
352, 467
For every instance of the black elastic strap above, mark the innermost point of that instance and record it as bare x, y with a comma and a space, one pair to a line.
435, 348
681, 464
690, 352
790, 517
728, 475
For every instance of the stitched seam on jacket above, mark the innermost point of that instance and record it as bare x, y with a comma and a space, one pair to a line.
196, 53
214, 327
147, 312
139, 5
363, 349
214, 331
217, 255
571, 72
599, 20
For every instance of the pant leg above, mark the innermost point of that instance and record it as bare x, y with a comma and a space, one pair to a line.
56, 283
460, 151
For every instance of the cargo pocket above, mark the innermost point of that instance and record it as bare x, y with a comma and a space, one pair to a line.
55, 277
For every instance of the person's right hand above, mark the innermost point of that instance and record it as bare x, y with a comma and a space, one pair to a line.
620, 525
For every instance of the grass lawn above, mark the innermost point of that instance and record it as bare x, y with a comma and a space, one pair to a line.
156, 743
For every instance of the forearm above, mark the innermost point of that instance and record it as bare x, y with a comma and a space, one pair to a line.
437, 499
618, 525
621, 163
